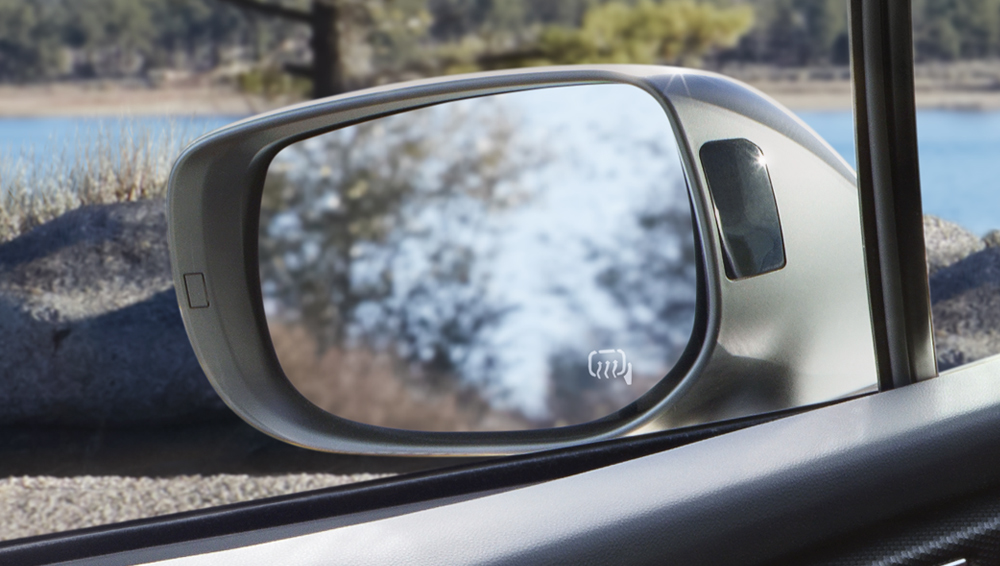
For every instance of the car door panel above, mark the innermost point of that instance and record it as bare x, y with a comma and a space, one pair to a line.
967, 529
750, 496
213, 529
747, 497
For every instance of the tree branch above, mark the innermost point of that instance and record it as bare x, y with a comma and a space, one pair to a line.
508, 59
299, 70
272, 10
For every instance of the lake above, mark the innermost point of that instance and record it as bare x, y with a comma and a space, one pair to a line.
60, 138
959, 154
959, 151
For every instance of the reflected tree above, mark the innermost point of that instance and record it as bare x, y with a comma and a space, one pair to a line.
375, 236
649, 273
654, 280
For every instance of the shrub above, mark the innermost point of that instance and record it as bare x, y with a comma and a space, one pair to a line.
367, 386
106, 167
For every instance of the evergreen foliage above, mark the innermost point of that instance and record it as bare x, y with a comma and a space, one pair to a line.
672, 32
388, 40
795, 33
113, 38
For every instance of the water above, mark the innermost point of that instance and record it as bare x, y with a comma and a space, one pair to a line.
40, 138
959, 151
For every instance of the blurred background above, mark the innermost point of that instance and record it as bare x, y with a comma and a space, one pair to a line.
208, 62
298, 48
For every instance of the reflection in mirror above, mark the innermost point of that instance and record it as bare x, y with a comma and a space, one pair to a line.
511, 262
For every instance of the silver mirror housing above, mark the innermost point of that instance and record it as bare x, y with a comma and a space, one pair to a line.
783, 309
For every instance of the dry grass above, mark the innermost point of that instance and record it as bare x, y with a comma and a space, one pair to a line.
367, 387
129, 163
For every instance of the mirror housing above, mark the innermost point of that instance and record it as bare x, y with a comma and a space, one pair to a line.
769, 334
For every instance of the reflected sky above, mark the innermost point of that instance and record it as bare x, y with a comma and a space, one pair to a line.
617, 155
571, 263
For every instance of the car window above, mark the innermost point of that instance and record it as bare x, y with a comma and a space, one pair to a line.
958, 136
105, 415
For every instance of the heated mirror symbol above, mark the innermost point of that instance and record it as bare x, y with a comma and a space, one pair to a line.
610, 367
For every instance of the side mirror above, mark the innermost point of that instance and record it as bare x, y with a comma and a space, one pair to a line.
555, 255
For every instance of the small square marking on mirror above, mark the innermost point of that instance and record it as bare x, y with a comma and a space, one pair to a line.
197, 293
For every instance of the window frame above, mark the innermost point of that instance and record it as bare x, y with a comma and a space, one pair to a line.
881, 36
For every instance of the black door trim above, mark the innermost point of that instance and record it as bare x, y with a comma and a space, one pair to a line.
434, 485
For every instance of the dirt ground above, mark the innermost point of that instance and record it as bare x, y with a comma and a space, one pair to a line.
229, 446
55, 479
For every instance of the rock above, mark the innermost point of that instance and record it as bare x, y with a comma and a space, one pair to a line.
947, 243
90, 328
92, 336
965, 292
965, 301
89, 261
992, 239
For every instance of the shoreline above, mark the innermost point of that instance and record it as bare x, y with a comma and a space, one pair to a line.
838, 97
60, 100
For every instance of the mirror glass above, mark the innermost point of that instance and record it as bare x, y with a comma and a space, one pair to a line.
517, 261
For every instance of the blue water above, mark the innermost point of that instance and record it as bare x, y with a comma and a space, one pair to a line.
959, 151
37, 138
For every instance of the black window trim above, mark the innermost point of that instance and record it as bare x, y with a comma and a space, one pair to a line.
889, 184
